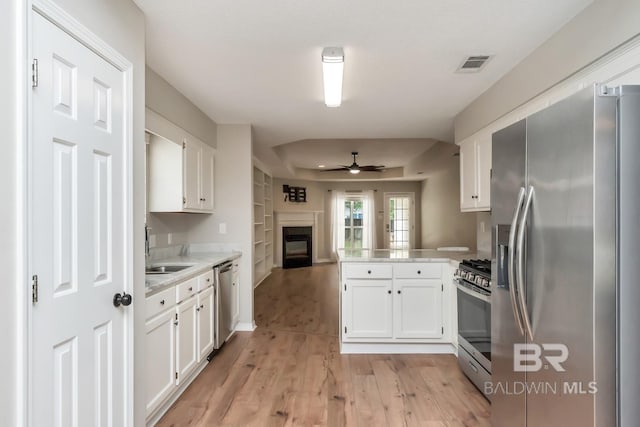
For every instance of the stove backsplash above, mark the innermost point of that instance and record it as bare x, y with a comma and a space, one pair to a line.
483, 238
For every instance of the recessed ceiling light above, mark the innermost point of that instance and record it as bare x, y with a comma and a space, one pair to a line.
321, 166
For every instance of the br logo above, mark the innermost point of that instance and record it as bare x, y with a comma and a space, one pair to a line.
529, 357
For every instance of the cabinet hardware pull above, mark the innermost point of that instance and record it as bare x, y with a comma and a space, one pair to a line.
368, 271
389, 292
419, 272
208, 279
161, 302
399, 292
201, 305
190, 288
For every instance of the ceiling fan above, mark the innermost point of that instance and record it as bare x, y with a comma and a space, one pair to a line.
356, 168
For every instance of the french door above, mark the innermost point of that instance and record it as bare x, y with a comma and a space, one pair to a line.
399, 222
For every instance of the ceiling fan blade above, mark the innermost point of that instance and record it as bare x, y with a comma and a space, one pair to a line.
372, 168
344, 168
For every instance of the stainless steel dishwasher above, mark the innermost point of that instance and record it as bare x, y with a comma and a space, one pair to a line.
224, 282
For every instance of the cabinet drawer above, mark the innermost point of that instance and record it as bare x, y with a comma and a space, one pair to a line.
415, 270
367, 271
159, 302
205, 280
187, 288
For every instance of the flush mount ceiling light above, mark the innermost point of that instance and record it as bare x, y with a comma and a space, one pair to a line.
332, 70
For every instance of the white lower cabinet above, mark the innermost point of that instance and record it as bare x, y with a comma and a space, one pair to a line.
160, 367
179, 336
205, 323
187, 337
393, 303
368, 308
418, 308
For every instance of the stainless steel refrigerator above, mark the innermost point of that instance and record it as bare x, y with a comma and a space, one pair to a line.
565, 209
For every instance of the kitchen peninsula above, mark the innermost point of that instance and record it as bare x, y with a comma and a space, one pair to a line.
398, 301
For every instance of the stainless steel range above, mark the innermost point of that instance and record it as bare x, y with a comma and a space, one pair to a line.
473, 280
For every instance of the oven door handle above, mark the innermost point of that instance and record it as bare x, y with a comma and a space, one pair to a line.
511, 261
485, 298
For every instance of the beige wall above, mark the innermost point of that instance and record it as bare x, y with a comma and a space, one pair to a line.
233, 207
165, 100
319, 200
597, 30
442, 222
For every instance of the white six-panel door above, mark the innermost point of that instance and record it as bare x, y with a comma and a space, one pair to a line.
78, 247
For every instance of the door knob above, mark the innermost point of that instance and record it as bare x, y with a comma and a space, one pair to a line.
123, 299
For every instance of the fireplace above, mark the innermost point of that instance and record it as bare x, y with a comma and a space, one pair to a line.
296, 247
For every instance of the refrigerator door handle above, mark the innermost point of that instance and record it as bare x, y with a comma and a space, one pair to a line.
511, 259
520, 271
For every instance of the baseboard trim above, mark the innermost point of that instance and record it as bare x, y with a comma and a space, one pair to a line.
246, 326
397, 348
323, 261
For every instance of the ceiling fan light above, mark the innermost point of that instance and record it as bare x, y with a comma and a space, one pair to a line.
332, 71
354, 171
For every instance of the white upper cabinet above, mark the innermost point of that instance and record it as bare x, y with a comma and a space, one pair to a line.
475, 174
180, 169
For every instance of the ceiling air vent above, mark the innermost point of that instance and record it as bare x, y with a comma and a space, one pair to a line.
473, 64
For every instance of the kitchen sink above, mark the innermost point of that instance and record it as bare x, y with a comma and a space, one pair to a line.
165, 269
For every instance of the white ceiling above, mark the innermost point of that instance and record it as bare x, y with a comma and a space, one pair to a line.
258, 62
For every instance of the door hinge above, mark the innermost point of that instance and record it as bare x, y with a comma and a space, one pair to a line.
442, 287
184, 145
176, 375
34, 288
345, 286
184, 200
443, 330
34, 73
345, 329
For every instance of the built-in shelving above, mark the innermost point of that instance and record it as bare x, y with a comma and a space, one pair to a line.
263, 225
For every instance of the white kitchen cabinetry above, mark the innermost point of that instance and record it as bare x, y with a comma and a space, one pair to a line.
180, 169
396, 304
205, 322
160, 366
235, 295
179, 337
186, 337
367, 310
475, 174
418, 308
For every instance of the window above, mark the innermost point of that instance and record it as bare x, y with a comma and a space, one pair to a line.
353, 223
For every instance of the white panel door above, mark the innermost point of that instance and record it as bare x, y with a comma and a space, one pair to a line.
418, 308
160, 365
191, 170
78, 248
368, 309
205, 323
187, 337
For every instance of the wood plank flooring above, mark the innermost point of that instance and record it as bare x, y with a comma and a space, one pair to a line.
289, 371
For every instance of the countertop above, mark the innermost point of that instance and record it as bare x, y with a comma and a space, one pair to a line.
392, 255
199, 262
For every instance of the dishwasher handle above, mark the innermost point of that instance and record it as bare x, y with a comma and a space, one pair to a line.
223, 268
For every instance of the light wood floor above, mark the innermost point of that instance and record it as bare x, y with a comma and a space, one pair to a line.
289, 371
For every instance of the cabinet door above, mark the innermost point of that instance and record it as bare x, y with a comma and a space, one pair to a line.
205, 323
367, 312
235, 298
483, 172
160, 367
206, 178
191, 154
187, 337
417, 308
468, 175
